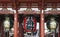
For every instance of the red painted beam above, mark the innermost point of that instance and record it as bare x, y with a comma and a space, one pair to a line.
6, 12
55, 12
51, 1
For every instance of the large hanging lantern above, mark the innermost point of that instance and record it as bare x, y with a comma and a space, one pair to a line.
29, 24
7, 24
52, 25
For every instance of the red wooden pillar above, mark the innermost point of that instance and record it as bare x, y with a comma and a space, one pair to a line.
59, 28
2, 28
42, 20
16, 24
59, 31
21, 31
41, 24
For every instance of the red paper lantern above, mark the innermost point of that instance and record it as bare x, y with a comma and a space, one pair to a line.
30, 24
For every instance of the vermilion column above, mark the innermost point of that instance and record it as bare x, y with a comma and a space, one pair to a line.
41, 24
21, 31
16, 25
3, 34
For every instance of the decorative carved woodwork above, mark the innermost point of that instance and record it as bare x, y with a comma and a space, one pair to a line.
29, 11
5, 11
53, 11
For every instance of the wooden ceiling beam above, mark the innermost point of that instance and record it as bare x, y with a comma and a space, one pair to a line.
28, 2
54, 5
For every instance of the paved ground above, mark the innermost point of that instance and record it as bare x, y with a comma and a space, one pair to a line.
30, 36
37, 35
